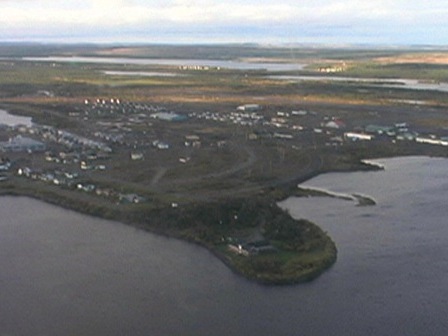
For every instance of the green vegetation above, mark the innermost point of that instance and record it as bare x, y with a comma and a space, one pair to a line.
301, 250
421, 71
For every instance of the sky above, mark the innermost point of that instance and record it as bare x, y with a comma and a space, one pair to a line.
339, 22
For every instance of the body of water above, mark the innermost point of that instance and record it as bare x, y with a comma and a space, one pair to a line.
238, 65
63, 273
13, 120
395, 83
142, 74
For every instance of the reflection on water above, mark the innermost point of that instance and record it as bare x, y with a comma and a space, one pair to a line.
64, 273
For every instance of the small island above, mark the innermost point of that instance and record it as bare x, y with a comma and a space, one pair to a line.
205, 153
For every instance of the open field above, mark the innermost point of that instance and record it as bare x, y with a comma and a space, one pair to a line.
189, 150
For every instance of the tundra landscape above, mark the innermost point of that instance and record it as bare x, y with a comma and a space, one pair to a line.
201, 142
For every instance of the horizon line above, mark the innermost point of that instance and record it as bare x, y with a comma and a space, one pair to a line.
227, 43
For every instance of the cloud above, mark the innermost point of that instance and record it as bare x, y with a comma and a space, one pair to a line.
271, 18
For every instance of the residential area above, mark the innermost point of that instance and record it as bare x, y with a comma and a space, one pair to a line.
158, 140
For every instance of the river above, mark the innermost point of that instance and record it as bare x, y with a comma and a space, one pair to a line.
63, 273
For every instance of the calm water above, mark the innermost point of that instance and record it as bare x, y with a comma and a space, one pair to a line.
400, 83
67, 274
142, 74
238, 65
13, 120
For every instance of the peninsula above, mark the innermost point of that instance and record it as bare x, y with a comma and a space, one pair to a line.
201, 142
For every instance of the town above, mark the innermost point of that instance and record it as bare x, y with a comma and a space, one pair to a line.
67, 160
205, 153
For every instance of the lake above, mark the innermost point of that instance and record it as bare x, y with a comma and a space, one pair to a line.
142, 74
394, 83
231, 64
63, 273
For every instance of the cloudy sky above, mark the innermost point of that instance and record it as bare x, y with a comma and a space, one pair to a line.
208, 21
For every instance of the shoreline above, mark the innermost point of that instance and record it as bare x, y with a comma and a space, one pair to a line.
222, 257
362, 200
153, 222
164, 222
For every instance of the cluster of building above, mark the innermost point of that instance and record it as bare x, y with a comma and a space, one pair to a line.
160, 144
332, 68
198, 67
168, 116
73, 181
239, 117
20, 143
396, 132
433, 140
80, 150
56, 177
73, 141
112, 106
334, 129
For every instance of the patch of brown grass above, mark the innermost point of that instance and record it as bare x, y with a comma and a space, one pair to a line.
430, 58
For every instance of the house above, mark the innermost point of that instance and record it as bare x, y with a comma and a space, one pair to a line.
252, 136
378, 129
299, 113
336, 124
160, 144
238, 249
358, 136
130, 198
168, 116
332, 68
5, 164
410, 136
431, 141
282, 114
136, 156
283, 136
163, 145
86, 187
249, 107
297, 127
24, 172
252, 248
192, 137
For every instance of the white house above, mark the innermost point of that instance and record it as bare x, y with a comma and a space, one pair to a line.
358, 136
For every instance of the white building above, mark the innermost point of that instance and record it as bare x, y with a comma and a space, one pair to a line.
249, 107
358, 136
